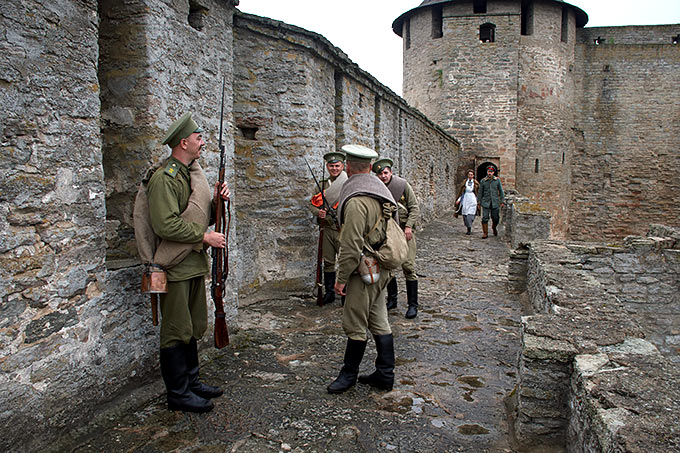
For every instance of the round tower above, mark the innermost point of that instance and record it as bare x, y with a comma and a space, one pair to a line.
498, 75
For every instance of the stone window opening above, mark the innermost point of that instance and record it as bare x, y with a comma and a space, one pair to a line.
597, 41
527, 18
536, 166
675, 39
487, 33
479, 6
407, 33
437, 22
248, 132
562, 158
196, 14
565, 24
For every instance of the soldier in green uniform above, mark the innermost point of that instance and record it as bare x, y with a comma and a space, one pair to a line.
409, 214
183, 308
492, 198
335, 163
361, 205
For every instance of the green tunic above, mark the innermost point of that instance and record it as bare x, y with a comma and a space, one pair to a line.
183, 309
168, 193
491, 193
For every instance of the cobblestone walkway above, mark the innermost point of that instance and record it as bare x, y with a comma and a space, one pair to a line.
455, 366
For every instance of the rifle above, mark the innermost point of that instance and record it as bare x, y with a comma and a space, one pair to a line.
326, 206
220, 257
319, 260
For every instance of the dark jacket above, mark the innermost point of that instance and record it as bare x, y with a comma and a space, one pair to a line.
491, 192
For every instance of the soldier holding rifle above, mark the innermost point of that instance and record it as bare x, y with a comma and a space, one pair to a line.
335, 163
183, 308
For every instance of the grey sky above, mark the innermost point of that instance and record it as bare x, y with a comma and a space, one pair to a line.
363, 28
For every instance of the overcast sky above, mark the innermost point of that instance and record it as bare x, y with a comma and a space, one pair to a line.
363, 28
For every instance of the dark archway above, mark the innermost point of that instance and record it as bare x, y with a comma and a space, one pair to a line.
481, 169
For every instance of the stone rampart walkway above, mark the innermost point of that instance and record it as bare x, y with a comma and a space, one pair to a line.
455, 366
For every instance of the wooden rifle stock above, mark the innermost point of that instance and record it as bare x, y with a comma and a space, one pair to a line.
220, 257
319, 272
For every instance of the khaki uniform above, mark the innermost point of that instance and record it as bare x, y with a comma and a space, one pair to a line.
364, 304
183, 308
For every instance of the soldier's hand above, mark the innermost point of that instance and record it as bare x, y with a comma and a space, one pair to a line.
408, 232
223, 191
340, 289
322, 213
214, 239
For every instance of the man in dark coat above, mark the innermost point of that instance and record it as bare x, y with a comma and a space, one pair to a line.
492, 198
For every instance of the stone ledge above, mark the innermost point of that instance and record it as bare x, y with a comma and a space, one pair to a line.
626, 399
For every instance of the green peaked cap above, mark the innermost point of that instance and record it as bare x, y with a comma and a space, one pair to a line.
381, 164
334, 157
359, 152
182, 128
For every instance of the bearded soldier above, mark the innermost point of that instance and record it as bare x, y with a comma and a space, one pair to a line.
409, 213
335, 163
363, 200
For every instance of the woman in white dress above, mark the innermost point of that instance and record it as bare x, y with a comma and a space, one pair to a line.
466, 203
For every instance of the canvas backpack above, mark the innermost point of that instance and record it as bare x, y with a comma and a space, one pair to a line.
394, 250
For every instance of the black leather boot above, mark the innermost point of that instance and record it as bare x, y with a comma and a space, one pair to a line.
354, 352
412, 298
329, 285
469, 230
196, 386
383, 376
174, 372
493, 228
392, 293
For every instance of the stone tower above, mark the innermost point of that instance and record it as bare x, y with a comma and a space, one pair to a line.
499, 76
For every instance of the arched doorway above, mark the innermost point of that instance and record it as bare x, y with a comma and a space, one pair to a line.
481, 169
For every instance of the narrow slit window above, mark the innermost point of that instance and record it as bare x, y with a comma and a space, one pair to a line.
565, 24
487, 33
536, 166
479, 6
437, 22
527, 18
407, 33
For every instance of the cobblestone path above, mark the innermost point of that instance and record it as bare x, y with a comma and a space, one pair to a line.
455, 366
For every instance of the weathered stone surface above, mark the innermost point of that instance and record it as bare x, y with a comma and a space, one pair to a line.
583, 129
586, 294
298, 97
625, 401
451, 381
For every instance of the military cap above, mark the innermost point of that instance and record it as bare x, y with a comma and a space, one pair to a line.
491, 167
182, 128
359, 152
333, 157
381, 164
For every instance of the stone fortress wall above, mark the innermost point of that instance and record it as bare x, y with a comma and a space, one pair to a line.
598, 368
590, 131
89, 87
297, 97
